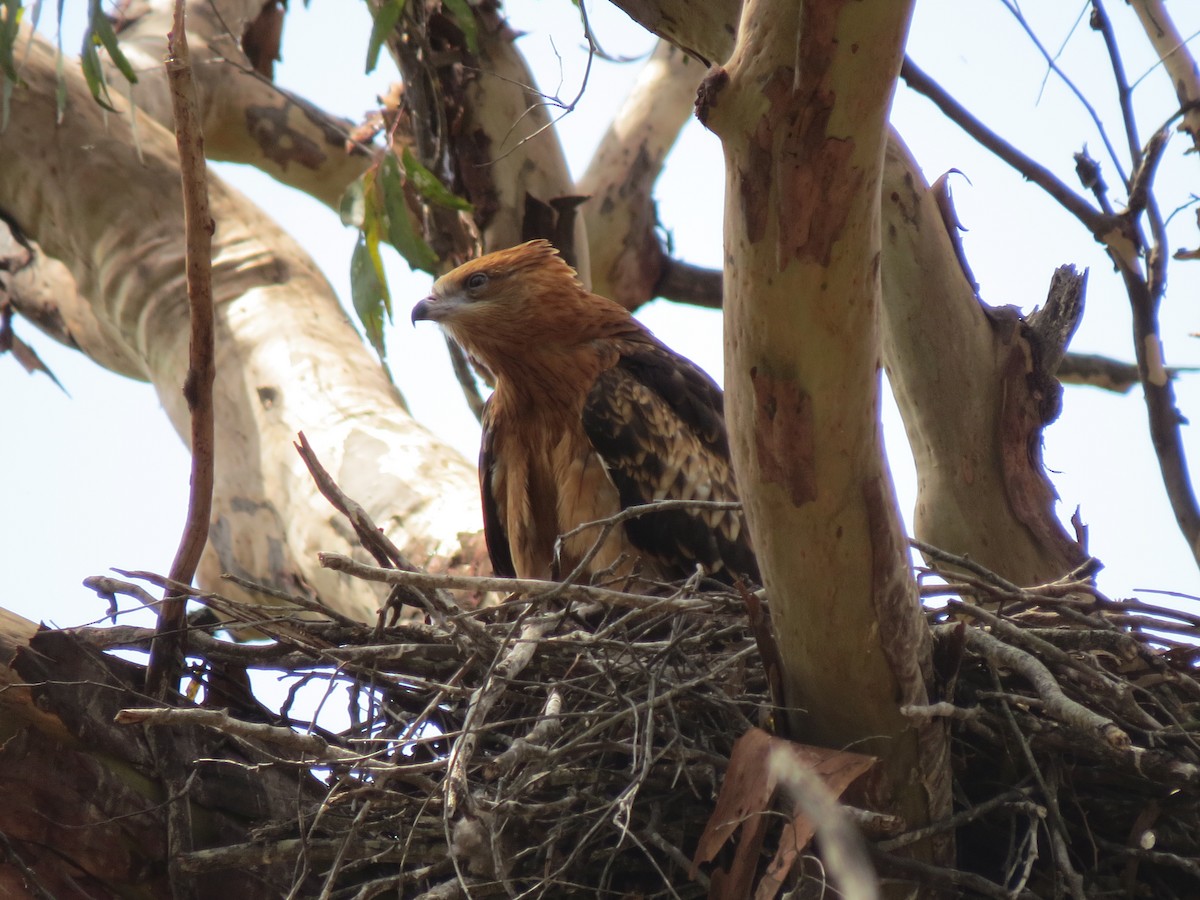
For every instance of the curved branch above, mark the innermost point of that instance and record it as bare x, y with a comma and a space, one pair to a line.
703, 30
245, 118
627, 254
287, 357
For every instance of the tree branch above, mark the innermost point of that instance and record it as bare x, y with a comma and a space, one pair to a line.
1181, 66
166, 655
277, 323
627, 253
245, 117
1095, 221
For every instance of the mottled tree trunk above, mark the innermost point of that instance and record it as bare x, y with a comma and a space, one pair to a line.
801, 108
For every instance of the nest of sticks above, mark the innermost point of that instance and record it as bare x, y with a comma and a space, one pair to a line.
572, 741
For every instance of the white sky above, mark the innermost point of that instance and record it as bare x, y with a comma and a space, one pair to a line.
99, 479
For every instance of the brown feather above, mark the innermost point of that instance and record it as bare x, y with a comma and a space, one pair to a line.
590, 414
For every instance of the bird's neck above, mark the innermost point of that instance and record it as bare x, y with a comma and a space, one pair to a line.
551, 380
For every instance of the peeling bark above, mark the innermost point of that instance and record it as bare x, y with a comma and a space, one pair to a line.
804, 129
973, 411
948, 395
82, 811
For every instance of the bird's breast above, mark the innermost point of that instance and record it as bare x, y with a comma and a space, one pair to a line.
555, 485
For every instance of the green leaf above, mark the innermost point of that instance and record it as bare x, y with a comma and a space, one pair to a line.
93, 72
369, 292
429, 186
102, 29
10, 25
401, 234
464, 17
353, 205
385, 21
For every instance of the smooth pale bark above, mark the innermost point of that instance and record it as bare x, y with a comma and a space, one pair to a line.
626, 253
961, 375
246, 118
287, 358
801, 109
1177, 60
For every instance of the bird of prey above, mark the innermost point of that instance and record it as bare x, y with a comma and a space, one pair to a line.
591, 414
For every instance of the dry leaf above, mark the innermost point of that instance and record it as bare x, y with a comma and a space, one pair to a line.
758, 764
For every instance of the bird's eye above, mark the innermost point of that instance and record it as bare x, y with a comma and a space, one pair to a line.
477, 281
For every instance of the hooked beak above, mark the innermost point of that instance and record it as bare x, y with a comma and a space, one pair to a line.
425, 310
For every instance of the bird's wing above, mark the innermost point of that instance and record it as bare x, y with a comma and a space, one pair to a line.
657, 421
493, 520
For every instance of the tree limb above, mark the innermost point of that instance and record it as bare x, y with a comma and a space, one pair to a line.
278, 325
1181, 66
803, 122
627, 253
245, 118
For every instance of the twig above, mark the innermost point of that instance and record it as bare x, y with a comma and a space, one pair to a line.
1015, 799
532, 587
1095, 221
1061, 707
1103, 24
508, 667
376, 542
930, 874
311, 748
1057, 825
607, 524
166, 655
1015, 10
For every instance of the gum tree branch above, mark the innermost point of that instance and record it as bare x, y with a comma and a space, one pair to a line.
1181, 66
277, 324
628, 258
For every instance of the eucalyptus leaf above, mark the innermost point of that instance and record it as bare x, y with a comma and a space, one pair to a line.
430, 186
369, 293
101, 29
385, 21
401, 234
353, 205
464, 17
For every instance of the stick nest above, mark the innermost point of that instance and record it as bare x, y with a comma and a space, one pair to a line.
569, 747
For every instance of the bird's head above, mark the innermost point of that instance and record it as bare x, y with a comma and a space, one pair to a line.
499, 286
515, 302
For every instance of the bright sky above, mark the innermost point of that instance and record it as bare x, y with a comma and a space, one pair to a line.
99, 479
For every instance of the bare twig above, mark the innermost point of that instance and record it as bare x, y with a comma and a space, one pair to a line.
1094, 220
166, 654
528, 586
1103, 24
